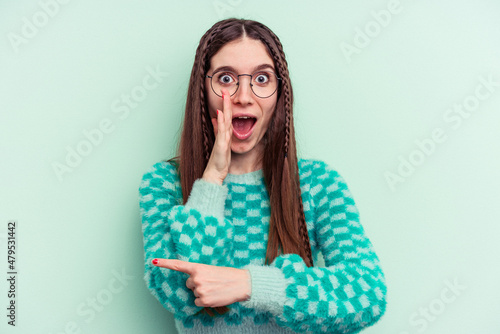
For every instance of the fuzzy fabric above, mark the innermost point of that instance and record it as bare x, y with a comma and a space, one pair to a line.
227, 225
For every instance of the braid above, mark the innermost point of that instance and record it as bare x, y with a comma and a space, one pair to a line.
201, 69
208, 38
283, 70
303, 233
204, 125
287, 121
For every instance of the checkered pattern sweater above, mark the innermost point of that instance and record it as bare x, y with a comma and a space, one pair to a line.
228, 226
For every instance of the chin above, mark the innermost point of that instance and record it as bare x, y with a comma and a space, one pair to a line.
242, 148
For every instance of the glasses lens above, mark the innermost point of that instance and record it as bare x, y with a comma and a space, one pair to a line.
226, 80
264, 83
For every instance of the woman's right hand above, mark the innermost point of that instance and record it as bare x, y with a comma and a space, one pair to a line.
220, 158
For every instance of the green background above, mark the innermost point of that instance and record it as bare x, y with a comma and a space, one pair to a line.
363, 113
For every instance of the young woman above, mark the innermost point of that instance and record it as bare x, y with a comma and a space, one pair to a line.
233, 226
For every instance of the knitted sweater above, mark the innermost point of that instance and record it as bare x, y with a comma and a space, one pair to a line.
227, 225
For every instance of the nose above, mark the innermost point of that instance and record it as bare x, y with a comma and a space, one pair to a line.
244, 93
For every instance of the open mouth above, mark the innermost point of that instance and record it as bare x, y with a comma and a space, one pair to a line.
243, 126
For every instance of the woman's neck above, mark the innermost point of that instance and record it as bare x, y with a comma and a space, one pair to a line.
246, 162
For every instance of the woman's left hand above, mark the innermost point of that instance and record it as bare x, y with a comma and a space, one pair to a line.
212, 286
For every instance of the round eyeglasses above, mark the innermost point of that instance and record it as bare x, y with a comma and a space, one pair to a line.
263, 83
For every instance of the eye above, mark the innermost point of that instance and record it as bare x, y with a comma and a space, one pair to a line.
225, 78
262, 78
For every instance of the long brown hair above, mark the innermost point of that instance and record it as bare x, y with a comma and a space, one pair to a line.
287, 226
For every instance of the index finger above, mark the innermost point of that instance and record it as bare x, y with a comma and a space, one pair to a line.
226, 106
177, 265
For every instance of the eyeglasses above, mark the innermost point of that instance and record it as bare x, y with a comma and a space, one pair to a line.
263, 83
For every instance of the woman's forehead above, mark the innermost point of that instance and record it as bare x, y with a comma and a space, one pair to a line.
243, 55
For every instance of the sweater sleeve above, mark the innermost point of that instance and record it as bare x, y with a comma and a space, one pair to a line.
346, 295
194, 232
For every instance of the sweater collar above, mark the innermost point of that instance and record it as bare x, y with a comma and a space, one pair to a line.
255, 177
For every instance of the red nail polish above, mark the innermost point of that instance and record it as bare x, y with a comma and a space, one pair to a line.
155, 261
218, 111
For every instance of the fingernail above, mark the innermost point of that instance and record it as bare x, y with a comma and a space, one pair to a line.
218, 111
155, 261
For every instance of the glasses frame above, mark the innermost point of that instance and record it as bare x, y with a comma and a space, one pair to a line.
238, 83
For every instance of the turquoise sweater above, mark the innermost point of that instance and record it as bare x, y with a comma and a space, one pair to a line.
228, 226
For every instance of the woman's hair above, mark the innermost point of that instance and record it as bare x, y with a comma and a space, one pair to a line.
287, 226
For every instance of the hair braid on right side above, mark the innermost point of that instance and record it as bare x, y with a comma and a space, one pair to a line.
304, 234
302, 226
280, 60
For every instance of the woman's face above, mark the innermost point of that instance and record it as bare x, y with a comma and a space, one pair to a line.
251, 114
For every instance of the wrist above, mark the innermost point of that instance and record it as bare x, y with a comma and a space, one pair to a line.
209, 177
247, 291
208, 198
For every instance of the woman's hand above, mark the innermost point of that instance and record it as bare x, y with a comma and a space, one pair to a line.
212, 286
220, 158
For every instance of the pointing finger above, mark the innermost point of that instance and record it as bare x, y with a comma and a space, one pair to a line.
178, 265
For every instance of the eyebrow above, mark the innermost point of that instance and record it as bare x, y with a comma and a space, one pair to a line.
232, 69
